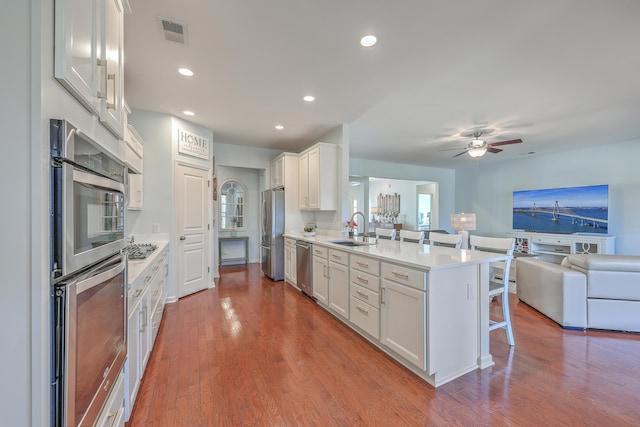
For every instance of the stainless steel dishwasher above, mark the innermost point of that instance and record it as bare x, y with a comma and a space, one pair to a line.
304, 268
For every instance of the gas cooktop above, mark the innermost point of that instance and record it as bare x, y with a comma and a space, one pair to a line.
137, 251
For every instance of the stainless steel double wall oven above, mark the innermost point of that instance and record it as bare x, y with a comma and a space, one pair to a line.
88, 275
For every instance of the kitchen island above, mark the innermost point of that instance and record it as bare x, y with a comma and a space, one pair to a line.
426, 306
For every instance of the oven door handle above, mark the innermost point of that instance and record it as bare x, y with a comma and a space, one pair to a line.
97, 181
100, 277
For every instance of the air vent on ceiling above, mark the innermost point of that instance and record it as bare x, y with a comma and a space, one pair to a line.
173, 31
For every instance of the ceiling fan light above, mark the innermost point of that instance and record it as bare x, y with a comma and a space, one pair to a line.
477, 143
477, 152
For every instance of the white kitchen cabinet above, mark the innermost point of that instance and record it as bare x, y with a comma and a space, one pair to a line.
112, 414
403, 312
277, 172
132, 367
554, 247
133, 150
136, 188
89, 45
318, 178
321, 278
290, 261
339, 283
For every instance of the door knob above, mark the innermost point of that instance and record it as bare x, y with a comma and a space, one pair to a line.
182, 238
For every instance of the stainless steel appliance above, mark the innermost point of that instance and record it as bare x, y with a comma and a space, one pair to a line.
88, 200
272, 241
304, 267
88, 273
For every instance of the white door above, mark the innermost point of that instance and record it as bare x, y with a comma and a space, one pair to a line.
192, 229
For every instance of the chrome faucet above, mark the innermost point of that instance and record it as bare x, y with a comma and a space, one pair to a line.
364, 221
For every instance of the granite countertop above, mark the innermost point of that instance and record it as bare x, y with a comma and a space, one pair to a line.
135, 267
426, 257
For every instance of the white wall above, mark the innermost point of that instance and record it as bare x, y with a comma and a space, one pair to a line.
488, 189
446, 179
408, 198
18, 281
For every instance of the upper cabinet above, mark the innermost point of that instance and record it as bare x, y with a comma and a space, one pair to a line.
318, 178
277, 172
89, 45
133, 151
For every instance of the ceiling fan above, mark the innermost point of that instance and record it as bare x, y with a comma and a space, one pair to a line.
478, 147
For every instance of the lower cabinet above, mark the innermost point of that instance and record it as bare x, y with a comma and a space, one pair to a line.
290, 261
113, 413
339, 283
145, 314
321, 280
402, 321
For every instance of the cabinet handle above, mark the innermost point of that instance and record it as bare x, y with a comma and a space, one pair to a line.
382, 296
362, 294
103, 94
112, 415
362, 279
398, 274
362, 264
336, 256
112, 106
324, 271
363, 310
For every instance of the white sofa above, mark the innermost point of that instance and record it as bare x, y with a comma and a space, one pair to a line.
585, 291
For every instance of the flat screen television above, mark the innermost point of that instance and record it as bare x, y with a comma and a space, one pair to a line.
562, 210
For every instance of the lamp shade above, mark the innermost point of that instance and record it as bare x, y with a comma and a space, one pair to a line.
463, 221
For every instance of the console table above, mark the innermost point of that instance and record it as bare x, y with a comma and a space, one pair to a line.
554, 247
238, 249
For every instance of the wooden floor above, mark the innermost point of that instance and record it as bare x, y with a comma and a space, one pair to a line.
256, 352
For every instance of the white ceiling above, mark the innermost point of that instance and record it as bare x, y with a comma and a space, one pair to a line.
556, 73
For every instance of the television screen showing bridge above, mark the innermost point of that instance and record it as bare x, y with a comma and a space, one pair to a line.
562, 210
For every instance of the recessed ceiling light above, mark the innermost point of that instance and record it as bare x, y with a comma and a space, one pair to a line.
368, 40
309, 98
279, 127
189, 113
185, 72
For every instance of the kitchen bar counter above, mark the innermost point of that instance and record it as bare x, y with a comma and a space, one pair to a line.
453, 325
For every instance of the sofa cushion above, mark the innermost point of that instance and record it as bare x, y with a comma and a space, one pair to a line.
614, 314
604, 262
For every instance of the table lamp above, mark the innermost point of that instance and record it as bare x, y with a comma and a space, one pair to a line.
462, 223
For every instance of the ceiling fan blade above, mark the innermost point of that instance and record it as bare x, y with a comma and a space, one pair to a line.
511, 141
460, 154
493, 150
451, 149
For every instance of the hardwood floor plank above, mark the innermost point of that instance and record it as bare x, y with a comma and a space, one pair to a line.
254, 352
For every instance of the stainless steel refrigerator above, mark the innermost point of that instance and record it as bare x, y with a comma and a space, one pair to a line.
272, 241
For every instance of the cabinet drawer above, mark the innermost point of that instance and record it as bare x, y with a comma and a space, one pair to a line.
405, 275
365, 264
365, 316
365, 295
551, 241
290, 243
113, 409
339, 257
366, 280
320, 251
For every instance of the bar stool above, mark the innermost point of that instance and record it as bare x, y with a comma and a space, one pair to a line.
449, 240
412, 236
498, 286
386, 233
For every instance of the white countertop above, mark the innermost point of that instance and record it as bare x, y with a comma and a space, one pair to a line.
414, 255
135, 267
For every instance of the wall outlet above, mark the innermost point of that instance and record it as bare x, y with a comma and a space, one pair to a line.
155, 227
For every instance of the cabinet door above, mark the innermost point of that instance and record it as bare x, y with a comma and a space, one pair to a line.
402, 314
111, 55
135, 192
321, 280
294, 264
303, 173
314, 179
132, 370
76, 45
144, 341
339, 289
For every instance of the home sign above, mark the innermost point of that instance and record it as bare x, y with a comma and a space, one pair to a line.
192, 144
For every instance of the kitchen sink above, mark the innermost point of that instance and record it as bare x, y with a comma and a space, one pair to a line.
349, 243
